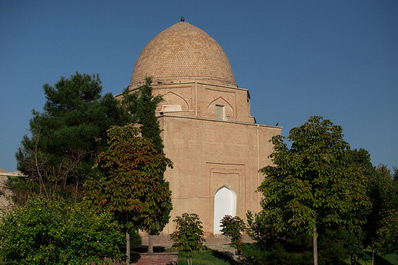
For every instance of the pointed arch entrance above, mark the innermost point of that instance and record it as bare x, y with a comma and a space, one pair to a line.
224, 204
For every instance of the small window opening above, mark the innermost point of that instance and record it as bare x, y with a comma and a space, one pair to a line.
220, 112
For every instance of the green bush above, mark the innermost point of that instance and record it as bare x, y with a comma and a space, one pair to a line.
53, 232
233, 227
188, 236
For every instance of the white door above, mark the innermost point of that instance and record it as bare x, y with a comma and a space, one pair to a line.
224, 204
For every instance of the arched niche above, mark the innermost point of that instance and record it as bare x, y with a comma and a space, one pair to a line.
173, 102
224, 204
220, 101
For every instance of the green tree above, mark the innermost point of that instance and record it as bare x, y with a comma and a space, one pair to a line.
384, 217
142, 105
132, 185
68, 135
55, 232
310, 187
360, 159
388, 189
233, 227
388, 233
188, 236
383, 192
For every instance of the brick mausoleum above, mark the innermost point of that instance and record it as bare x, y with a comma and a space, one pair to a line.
215, 144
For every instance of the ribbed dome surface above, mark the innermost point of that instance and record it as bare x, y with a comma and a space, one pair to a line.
183, 52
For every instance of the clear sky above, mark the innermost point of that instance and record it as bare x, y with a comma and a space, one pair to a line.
337, 59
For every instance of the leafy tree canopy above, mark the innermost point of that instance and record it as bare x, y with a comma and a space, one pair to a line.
132, 185
310, 186
385, 212
387, 241
69, 133
379, 229
55, 232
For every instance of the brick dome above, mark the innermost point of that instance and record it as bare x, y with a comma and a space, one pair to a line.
181, 53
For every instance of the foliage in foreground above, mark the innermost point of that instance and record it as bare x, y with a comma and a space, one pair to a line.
132, 185
233, 227
66, 137
388, 233
384, 217
310, 188
188, 236
334, 248
142, 104
55, 232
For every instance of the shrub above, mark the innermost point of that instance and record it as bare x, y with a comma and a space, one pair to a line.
55, 232
233, 227
189, 235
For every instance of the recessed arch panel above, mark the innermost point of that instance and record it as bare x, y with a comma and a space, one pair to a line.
173, 99
220, 101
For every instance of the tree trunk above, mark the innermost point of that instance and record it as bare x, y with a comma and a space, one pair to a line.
189, 260
150, 244
315, 245
76, 189
373, 257
128, 247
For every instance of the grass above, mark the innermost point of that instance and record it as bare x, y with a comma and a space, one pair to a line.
390, 259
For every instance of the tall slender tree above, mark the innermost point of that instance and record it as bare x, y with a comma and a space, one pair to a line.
142, 105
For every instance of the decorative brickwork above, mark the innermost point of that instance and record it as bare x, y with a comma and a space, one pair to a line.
183, 51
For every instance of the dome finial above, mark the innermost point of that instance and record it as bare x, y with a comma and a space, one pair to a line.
182, 19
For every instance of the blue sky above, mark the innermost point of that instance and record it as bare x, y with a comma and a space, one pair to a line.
337, 59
